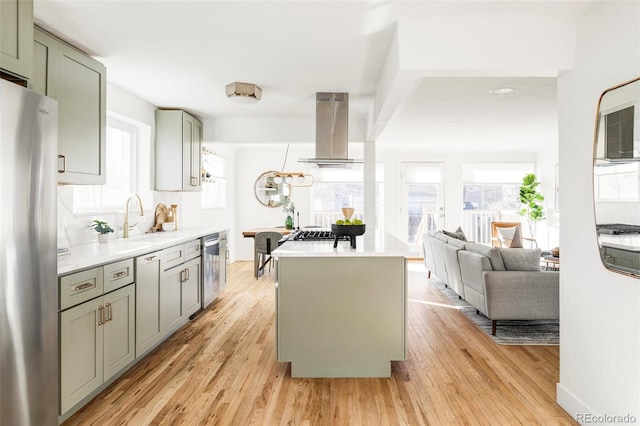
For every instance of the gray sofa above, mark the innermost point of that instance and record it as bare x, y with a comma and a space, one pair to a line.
501, 283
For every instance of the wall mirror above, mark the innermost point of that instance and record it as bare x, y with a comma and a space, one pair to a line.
616, 173
271, 190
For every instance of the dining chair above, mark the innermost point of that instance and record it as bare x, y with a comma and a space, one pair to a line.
265, 242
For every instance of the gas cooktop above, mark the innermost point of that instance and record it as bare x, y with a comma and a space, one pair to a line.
618, 228
313, 234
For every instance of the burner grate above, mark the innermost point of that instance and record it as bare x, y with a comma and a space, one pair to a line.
317, 235
618, 228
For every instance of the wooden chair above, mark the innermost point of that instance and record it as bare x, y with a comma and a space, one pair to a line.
496, 241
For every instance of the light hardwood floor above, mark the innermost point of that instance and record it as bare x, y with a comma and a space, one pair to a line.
221, 370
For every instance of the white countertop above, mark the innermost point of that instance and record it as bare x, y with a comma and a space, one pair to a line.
366, 246
93, 254
630, 242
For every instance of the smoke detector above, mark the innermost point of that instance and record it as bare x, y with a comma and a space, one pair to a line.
246, 93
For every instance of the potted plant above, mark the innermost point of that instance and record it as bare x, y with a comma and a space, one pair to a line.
102, 228
289, 208
531, 201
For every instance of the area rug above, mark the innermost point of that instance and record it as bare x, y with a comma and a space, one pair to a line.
508, 332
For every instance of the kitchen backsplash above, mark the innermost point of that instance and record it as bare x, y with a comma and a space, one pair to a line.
73, 229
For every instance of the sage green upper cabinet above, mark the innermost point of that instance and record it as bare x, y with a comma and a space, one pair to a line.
16, 36
178, 147
78, 83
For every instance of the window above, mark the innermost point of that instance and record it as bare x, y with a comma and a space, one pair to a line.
214, 181
127, 169
616, 182
337, 188
490, 193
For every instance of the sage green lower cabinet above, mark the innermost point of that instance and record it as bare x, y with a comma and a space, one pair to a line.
114, 314
97, 340
624, 258
179, 294
190, 291
148, 324
170, 304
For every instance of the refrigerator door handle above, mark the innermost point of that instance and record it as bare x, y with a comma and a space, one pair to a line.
64, 163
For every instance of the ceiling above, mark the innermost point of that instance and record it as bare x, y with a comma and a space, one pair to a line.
181, 54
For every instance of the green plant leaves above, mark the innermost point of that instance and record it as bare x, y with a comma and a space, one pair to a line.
531, 201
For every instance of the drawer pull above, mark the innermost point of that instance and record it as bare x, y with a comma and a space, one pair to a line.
119, 274
100, 315
83, 286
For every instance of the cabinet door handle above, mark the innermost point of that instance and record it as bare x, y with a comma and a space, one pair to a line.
194, 181
83, 286
119, 274
182, 276
187, 271
150, 258
109, 312
100, 315
64, 163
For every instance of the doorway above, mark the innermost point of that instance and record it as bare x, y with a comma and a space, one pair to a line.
422, 207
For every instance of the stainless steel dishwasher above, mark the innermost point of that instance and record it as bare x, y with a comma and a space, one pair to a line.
224, 258
211, 268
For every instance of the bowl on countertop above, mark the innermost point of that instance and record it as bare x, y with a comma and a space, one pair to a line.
348, 230
351, 231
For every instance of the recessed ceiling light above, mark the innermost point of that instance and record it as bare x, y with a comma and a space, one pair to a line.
503, 91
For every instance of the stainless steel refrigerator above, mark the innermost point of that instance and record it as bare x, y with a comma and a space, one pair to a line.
28, 258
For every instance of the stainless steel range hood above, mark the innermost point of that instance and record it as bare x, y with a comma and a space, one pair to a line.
332, 130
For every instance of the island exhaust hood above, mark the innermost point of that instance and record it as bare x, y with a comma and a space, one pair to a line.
332, 125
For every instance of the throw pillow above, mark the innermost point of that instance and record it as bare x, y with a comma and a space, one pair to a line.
521, 259
458, 234
510, 237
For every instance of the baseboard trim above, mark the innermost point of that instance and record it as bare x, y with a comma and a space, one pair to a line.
570, 403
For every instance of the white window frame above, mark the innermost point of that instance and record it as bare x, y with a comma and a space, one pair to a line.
140, 178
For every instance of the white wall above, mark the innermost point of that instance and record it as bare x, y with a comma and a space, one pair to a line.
251, 161
599, 310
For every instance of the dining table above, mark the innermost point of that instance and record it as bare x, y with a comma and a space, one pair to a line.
251, 233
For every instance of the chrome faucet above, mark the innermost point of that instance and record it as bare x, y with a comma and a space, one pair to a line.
125, 227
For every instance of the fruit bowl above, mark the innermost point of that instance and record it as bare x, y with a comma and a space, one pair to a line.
351, 231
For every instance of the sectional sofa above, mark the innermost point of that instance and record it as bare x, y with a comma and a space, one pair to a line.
501, 283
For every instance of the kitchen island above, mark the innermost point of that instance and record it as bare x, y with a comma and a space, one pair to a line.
341, 312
